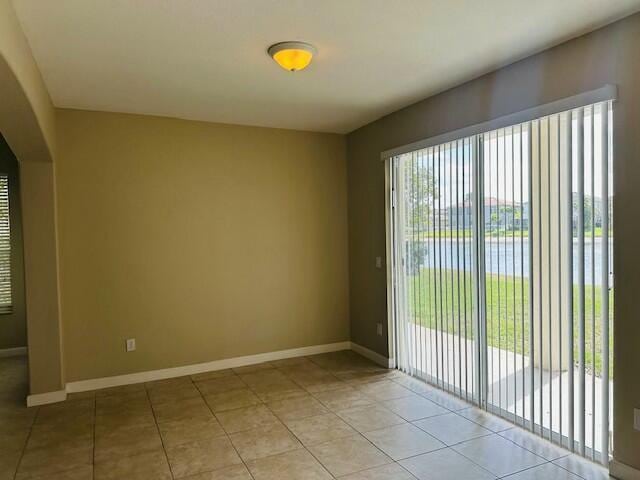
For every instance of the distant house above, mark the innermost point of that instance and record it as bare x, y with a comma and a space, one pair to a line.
442, 218
497, 213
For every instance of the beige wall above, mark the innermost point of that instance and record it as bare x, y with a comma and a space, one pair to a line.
606, 56
44, 337
13, 326
27, 122
30, 129
202, 241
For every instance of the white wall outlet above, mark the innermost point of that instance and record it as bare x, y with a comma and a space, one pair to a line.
379, 329
131, 344
378, 262
636, 418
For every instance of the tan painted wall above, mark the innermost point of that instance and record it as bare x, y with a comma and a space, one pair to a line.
37, 193
13, 326
27, 122
202, 241
30, 131
609, 55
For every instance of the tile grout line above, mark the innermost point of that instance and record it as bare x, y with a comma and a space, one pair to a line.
303, 446
484, 436
567, 470
313, 396
24, 447
523, 470
483, 468
496, 434
375, 403
354, 387
226, 434
492, 432
514, 425
155, 421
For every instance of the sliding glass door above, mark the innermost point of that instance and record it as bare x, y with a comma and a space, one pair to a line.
501, 261
434, 245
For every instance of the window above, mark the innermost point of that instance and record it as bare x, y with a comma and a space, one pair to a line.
5, 248
501, 262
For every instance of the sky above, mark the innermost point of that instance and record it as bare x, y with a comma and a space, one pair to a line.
507, 159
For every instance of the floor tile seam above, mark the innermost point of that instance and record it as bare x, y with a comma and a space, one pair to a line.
148, 386
480, 424
415, 426
335, 410
164, 448
297, 382
426, 397
364, 407
215, 414
528, 468
278, 421
431, 385
490, 472
499, 433
282, 420
368, 468
448, 412
455, 398
393, 462
62, 470
226, 434
567, 470
309, 451
244, 387
233, 374
26, 442
568, 452
461, 441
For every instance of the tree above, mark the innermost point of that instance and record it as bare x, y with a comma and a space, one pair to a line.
421, 193
588, 205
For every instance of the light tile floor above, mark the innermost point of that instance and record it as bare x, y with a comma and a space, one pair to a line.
327, 416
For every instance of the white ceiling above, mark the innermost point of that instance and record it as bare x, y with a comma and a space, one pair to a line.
206, 59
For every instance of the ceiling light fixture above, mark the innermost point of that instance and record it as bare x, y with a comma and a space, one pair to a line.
292, 56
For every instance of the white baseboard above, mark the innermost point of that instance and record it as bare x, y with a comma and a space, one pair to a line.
373, 356
46, 398
623, 471
13, 352
118, 380
149, 376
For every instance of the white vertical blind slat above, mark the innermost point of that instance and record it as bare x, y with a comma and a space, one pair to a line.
5, 248
498, 232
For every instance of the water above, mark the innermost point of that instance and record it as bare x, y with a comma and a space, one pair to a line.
508, 258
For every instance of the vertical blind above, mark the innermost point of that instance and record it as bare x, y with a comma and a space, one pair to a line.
502, 272
5, 248
436, 257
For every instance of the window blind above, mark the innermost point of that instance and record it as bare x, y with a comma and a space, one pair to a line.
5, 248
502, 272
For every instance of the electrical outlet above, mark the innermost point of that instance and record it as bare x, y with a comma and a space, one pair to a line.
636, 418
131, 344
378, 262
379, 329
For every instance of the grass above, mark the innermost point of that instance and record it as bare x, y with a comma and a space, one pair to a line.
507, 305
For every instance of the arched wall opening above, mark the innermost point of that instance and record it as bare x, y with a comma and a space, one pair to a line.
27, 124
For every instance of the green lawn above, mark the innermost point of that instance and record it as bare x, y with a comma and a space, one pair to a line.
504, 311
495, 233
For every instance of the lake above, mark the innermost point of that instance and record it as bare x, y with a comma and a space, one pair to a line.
509, 258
